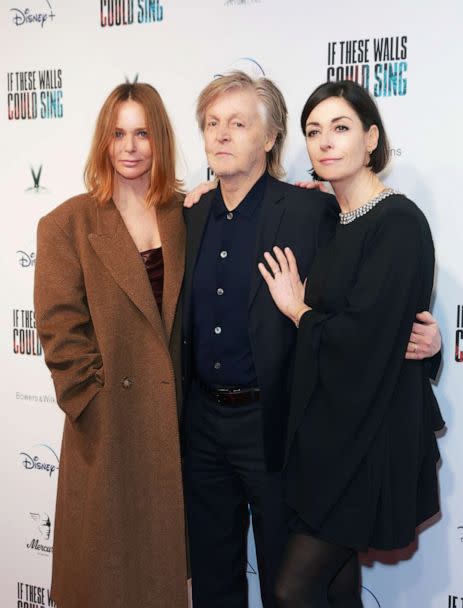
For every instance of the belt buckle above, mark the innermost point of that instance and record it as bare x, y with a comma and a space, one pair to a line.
221, 393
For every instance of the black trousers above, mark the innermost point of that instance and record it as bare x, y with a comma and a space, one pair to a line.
225, 478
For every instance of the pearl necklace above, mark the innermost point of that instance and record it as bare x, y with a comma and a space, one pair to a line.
350, 216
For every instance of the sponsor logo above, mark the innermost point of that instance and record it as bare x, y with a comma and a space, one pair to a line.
378, 64
36, 175
41, 399
43, 531
43, 524
34, 94
47, 461
127, 12
459, 335
31, 596
25, 338
26, 260
26, 16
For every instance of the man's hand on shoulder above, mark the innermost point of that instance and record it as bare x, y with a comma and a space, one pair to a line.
313, 185
195, 195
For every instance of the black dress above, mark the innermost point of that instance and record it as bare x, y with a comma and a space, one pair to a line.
361, 452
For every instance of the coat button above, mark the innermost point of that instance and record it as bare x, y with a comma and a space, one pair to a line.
126, 383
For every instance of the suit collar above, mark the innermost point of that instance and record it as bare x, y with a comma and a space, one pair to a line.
272, 212
197, 220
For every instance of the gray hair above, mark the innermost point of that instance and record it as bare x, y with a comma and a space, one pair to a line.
272, 101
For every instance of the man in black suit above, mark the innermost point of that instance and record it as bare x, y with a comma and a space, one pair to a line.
238, 348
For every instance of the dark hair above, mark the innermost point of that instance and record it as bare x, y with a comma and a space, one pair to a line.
365, 108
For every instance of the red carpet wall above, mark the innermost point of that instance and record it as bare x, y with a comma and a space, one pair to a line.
60, 59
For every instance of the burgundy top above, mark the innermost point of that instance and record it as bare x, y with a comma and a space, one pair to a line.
154, 265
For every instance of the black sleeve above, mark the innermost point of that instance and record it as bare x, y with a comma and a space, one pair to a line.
355, 356
432, 365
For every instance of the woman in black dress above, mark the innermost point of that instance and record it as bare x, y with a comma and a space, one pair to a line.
361, 451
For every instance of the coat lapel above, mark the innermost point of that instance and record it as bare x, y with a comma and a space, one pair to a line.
116, 249
269, 222
196, 224
172, 231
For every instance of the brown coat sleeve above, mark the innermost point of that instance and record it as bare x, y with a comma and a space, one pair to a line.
63, 320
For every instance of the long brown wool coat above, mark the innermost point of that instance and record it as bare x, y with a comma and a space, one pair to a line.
119, 530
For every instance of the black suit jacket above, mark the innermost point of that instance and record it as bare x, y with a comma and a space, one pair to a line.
303, 220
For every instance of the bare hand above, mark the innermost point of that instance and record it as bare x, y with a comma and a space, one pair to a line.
194, 195
313, 185
284, 282
425, 339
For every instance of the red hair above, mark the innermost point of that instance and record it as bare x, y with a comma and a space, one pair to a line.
99, 172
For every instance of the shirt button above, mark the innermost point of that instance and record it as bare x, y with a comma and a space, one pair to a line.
229, 215
220, 291
223, 254
217, 365
218, 330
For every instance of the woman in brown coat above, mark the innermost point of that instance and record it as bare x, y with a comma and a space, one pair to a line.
108, 276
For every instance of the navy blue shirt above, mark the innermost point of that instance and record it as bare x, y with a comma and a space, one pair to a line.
220, 293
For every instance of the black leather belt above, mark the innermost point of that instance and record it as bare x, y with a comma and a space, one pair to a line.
231, 396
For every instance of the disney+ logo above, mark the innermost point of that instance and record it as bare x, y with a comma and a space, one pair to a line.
27, 15
34, 462
26, 260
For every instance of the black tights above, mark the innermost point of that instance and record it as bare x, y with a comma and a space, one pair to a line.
318, 574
